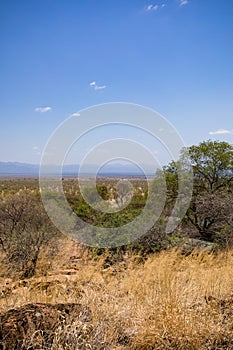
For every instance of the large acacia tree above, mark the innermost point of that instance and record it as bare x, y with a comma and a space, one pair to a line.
212, 163
211, 209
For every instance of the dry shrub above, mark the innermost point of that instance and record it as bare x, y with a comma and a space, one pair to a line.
169, 302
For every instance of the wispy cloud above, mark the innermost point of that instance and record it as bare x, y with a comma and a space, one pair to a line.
221, 132
152, 7
184, 2
94, 85
75, 114
36, 151
43, 109
97, 87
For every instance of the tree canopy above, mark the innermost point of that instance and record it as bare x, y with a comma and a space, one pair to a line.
212, 163
211, 208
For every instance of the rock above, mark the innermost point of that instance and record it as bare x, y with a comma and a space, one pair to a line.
198, 245
33, 326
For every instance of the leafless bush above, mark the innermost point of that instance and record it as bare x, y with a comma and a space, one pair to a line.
24, 230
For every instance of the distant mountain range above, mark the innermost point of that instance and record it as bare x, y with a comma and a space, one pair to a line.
16, 168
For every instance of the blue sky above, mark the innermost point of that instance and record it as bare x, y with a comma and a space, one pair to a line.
174, 56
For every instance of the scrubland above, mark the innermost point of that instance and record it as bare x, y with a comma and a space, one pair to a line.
157, 292
168, 301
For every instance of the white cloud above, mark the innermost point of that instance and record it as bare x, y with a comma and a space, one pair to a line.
75, 114
183, 2
43, 109
221, 132
149, 7
152, 7
97, 87
100, 87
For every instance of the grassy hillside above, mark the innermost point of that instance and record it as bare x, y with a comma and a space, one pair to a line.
168, 302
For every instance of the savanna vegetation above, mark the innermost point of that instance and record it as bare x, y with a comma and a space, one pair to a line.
162, 291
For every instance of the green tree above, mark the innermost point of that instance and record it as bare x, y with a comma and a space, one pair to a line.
211, 206
210, 210
212, 163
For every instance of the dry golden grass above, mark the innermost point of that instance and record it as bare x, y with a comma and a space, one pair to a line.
169, 302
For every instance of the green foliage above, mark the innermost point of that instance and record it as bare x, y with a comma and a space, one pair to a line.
103, 191
212, 163
211, 207
25, 229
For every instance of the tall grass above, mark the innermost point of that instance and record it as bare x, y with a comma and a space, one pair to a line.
168, 302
